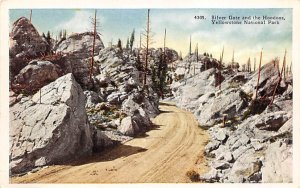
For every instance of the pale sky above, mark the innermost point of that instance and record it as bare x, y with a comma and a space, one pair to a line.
245, 40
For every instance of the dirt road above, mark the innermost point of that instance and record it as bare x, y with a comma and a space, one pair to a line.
163, 155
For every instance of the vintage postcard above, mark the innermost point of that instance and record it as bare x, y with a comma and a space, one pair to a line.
149, 94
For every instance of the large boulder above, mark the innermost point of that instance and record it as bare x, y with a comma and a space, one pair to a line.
36, 74
278, 164
269, 76
246, 168
25, 44
80, 45
50, 128
230, 103
133, 125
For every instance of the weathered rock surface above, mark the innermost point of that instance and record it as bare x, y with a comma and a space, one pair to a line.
278, 163
25, 44
52, 130
36, 74
269, 76
80, 45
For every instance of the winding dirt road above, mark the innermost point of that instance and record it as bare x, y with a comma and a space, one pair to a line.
163, 155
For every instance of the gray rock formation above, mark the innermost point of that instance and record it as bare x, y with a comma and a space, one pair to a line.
278, 163
256, 139
269, 76
36, 75
80, 45
25, 44
52, 130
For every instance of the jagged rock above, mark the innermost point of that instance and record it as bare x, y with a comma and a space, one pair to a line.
102, 80
52, 130
35, 75
287, 127
25, 44
221, 165
80, 45
231, 103
245, 167
210, 177
221, 135
278, 164
136, 124
228, 157
212, 145
127, 127
92, 98
117, 97
269, 76
272, 121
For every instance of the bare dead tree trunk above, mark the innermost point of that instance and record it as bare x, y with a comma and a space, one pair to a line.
147, 46
220, 76
258, 74
190, 50
93, 50
165, 45
30, 15
284, 66
280, 78
254, 64
232, 60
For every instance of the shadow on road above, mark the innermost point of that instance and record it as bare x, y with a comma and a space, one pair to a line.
109, 154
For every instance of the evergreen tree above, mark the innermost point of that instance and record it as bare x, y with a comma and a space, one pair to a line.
64, 34
132, 39
43, 35
127, 43
48, 36
119, 45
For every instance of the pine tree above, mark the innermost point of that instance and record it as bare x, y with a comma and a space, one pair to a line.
119, 45
43, 35
127, 43
132, 39
48, 35
64, 34
196, 52
180, 55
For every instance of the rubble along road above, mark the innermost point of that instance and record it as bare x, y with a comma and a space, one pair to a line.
163, 155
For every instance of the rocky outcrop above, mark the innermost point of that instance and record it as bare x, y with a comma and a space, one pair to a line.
119, 104
36, 75
269, 76
25, 44
80, 45
50, 128
250, 139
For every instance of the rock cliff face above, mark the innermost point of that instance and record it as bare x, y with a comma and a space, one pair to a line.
251, 140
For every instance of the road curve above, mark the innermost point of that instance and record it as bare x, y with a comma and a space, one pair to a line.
163, 155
